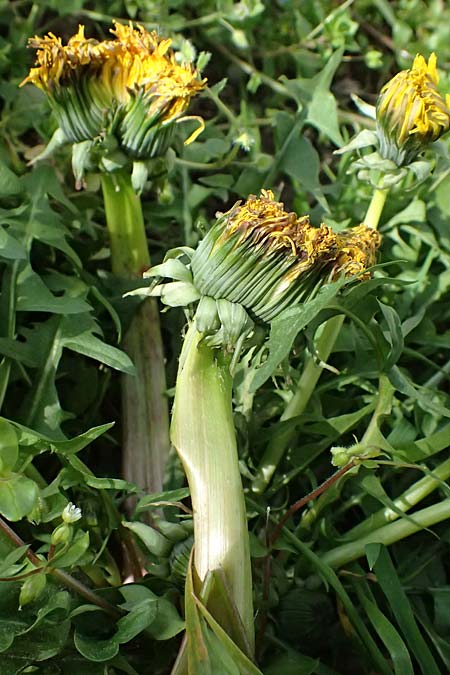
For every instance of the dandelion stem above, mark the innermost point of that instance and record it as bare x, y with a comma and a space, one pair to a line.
145, 409
376, 206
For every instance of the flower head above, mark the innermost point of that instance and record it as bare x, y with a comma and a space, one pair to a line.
266, 259
71, 513
130, 88
256, 261
411, 112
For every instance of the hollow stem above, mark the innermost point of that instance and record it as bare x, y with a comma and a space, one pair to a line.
144, 405
203, 433
311, 373
376, 206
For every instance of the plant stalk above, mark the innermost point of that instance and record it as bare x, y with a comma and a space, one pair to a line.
410, 497
144, 404
376, 206
389, 534
311, 373
203, 433
60, 575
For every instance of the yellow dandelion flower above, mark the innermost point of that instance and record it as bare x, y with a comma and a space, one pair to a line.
265, 258
130, 87
411, 112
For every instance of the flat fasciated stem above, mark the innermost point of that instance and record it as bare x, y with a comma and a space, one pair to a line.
203, 433
144, 403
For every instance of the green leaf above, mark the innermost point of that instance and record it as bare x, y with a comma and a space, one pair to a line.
140, 617
77, 548
10, 247
285, 328
167, 622
34, 296
295, 154
18, 496
322, 109
90, 345
153, 540
9, 446
10, 184
315, 93
401, 609
95, 650
391, 638
12, 558
395, 335
169, 496
78, 443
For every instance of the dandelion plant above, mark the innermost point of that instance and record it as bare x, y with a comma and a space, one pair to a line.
256, 261
118, 102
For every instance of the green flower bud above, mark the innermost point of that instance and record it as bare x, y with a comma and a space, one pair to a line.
31, 589
62, 534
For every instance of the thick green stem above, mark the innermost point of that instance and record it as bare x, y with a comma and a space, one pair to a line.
203, 433
144, 404
127, 238
311, 373
341, 555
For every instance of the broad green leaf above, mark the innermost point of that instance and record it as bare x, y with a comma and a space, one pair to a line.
34, 296
18, 496
76, 550
153, 540
10, 247
167, 622
138, 619
95, 650
296, 156
13, 558
315, 93
10, 184
9, 447
90, 345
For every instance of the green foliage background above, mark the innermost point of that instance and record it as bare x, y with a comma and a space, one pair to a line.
281, 76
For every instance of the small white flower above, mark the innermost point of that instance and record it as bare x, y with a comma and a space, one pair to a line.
71, 513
